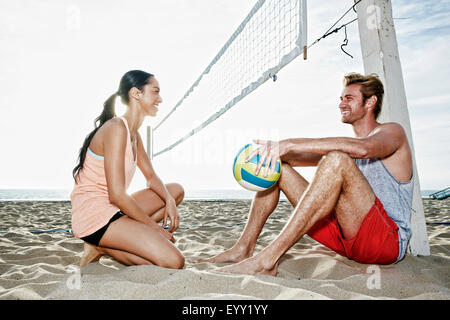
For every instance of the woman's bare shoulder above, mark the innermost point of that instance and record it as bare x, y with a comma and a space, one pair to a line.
111, 130
114, 126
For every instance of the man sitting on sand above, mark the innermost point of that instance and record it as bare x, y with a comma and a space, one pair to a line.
359, 201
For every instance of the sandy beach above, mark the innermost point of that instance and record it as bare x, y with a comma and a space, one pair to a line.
44, 266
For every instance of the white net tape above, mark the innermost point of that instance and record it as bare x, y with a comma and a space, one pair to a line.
272, 35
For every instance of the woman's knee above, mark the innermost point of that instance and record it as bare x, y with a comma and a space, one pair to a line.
177, 192
164, 255
175, 260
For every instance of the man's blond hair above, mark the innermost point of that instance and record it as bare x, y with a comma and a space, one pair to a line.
370, 85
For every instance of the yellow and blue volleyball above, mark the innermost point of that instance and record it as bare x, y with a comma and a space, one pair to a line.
244, 172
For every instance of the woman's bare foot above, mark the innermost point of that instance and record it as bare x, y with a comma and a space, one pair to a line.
250, 266
235, 254
91, 253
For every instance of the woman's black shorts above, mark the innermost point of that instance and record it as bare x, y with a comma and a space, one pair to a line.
95, 237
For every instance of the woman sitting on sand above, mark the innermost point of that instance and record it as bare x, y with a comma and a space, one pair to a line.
109, 220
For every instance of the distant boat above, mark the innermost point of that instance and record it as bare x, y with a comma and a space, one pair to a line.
440, 195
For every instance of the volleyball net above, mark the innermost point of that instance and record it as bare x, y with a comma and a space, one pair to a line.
272, 35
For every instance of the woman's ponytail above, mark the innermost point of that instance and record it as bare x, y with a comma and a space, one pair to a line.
107, 113
133, 78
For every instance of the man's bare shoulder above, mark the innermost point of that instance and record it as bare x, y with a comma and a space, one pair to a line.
391, 128
386, 140
397, 156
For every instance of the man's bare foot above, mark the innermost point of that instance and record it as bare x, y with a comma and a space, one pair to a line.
235, 254
250, 266
91, 253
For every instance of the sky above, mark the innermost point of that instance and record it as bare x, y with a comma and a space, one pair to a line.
60, 60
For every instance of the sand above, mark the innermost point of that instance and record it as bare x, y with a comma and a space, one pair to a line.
44, 266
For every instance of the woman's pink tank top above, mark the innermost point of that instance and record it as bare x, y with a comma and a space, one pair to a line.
91, 208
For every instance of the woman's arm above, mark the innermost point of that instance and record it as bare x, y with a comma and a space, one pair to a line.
149, 173
114, 144
157, 185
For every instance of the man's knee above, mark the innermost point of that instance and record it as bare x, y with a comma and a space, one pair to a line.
290, 179
286, 166
336, 159
286, 170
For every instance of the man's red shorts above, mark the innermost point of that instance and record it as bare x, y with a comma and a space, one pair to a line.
376, 241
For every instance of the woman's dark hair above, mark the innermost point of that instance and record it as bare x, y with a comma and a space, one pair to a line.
133, 78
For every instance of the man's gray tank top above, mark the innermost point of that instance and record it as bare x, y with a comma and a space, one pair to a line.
395, 196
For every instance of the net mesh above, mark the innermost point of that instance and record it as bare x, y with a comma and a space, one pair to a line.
272, 35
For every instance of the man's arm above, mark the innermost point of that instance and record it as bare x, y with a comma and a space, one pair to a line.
321, 146
386, 139
301, 159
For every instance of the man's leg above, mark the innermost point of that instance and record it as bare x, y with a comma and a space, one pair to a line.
338, 184
264, 203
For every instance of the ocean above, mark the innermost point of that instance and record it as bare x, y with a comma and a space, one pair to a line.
64, 194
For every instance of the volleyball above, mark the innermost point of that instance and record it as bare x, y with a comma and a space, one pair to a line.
244, 172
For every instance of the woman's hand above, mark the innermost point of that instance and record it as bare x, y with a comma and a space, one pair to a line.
166, 234
270, 152
171, 212
163, 232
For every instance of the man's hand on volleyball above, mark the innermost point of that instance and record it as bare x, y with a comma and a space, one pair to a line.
269, 152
